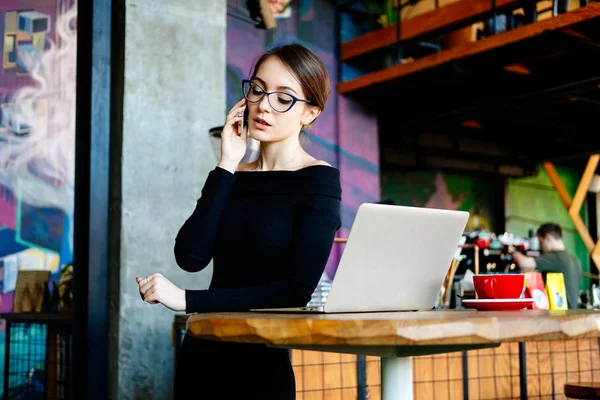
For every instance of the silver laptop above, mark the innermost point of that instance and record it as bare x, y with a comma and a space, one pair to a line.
396, 259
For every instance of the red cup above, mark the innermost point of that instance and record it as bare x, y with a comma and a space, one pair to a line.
499, 286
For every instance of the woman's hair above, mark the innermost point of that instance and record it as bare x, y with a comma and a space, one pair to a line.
305, 66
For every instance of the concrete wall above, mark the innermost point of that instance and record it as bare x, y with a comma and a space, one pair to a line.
174, 92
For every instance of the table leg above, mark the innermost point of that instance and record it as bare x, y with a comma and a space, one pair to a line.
396, 378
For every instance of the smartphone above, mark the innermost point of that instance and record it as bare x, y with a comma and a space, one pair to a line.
244, 123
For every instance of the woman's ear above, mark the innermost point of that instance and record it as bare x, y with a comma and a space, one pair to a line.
311, 114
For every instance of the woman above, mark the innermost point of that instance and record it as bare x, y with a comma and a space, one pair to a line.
268, 225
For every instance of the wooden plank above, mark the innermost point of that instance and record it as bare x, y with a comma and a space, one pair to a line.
560, 22
558, 185
457, 13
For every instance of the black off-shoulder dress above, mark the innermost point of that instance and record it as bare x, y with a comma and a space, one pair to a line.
270, 234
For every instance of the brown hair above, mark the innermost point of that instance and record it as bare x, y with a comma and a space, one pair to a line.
549, 228
305, 66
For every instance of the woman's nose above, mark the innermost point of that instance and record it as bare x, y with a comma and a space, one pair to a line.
263, 104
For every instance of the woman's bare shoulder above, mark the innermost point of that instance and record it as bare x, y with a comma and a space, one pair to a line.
321, 162
313, 162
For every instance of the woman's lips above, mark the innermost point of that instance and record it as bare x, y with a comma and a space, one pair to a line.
261, 124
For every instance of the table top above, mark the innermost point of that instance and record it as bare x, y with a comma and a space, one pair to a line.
436, 327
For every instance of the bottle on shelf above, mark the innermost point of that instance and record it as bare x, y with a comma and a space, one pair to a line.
534, 243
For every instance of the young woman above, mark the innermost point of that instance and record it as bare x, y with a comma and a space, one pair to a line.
268, 225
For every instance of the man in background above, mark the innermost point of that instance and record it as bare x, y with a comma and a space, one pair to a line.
554, 258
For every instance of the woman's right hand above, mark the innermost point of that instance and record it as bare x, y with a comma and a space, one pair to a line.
233, 140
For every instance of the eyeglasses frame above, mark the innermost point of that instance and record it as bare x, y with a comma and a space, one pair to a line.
294, 98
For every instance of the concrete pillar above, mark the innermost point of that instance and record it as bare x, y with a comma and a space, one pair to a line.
174, 92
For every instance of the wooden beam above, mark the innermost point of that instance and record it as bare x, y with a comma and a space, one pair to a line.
596, 255
575, 34
453, 14
573, 207
584, 234
578, 200
517, 68
592, 276
566, 20
558, 185
584, 184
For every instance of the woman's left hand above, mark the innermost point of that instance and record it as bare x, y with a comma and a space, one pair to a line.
156, 289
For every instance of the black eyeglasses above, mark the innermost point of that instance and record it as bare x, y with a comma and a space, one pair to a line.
279, 101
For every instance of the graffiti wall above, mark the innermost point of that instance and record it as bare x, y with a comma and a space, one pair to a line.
481, 196
37, 139
345, 134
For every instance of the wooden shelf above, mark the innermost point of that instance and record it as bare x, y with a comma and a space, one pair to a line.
427, 24
565, 22
35, 317
499, 106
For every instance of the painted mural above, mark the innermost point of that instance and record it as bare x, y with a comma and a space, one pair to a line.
481, 196
345, 134
37, 139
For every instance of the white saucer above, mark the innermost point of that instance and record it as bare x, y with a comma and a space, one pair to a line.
497, 301
498, 304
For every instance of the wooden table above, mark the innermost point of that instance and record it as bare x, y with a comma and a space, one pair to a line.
396, 336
